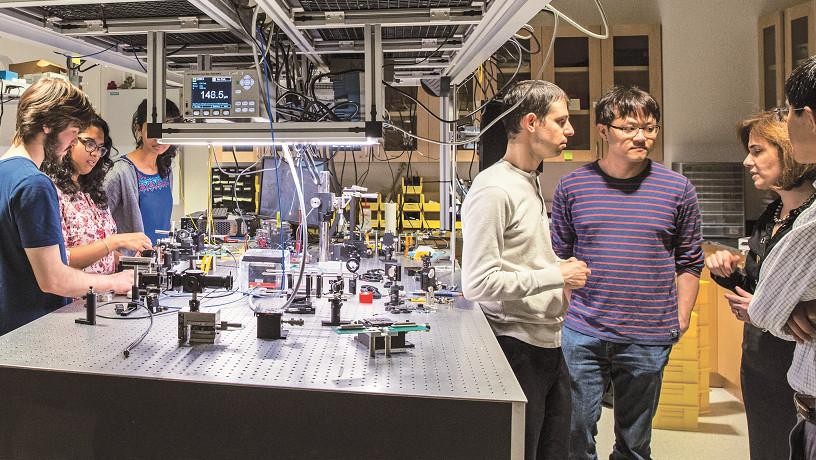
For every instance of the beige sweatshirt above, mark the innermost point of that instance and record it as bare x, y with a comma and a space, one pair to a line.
508, 264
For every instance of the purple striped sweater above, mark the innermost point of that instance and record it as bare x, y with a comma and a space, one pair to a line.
636, 235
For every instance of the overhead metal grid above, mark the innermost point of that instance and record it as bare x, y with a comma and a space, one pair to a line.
347, 5
118, 10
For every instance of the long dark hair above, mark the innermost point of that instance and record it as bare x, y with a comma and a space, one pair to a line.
61, 170
165, 160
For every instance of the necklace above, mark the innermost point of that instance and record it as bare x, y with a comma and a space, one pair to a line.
791, 215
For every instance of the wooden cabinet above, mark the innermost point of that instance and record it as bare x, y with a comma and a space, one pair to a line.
799, 37
631, 56
584, 67
587, 67
575, 66
786, 39
771, 61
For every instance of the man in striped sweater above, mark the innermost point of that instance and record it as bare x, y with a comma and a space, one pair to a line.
636, 223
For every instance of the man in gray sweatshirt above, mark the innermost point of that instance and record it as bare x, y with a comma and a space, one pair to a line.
510, 269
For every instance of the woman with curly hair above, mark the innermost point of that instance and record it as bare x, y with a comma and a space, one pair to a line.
87, 225
139, 185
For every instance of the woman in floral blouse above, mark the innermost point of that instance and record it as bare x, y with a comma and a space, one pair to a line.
87, 225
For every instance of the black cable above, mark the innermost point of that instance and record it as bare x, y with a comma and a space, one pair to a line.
453, 32
138, 60
87, 55
179, 49
2, 101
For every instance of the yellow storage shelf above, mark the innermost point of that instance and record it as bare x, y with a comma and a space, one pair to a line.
707, 293
432, 206
681, 371
412, 224
680, 394
705, 357
669, 417
412, 189
705, 404
704, 336
685, 350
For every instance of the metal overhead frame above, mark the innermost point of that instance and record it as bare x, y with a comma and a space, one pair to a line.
14, 25
261, 132
29, 3
179, 25
280, 15
392, 45
499, 23
374, 89
401, 17
227, 49
222, 14
156, 54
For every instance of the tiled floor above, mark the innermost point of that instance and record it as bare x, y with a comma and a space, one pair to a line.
722, 435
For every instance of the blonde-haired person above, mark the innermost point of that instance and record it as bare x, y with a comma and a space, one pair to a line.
765, 358
34, 277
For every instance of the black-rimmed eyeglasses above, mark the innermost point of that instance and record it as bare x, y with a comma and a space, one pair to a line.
91, 146
649, 131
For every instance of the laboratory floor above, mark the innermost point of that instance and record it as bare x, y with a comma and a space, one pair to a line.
722, 434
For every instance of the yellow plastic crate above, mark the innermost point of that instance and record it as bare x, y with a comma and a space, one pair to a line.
669, 417
705, 404
705, 357
412, 224
681, 371
705, 313
706, 294
687, 349
680, 394
704, 378
704, 335
432, 206
411, 207
412, 189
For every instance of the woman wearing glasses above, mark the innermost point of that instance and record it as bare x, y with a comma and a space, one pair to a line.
139, 185
87, 225
765, 358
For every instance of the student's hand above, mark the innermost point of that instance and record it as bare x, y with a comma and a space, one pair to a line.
801, 322
131, 241
722, 263
122, 282
684, 321
575, 273
739, 303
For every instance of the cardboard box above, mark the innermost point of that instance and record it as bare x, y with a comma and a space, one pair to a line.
35, 77
32, 67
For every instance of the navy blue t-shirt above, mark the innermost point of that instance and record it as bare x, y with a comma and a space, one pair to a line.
29, 218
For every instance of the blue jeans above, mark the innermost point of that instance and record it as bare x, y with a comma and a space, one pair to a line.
636, 372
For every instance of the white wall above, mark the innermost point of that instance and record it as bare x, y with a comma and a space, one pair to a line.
94, 81
710, 77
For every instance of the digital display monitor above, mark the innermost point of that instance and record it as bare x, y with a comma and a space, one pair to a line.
211, 93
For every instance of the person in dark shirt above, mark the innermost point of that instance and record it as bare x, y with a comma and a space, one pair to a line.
765, 358
34, 277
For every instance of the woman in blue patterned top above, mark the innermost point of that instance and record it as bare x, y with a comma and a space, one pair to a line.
139, 186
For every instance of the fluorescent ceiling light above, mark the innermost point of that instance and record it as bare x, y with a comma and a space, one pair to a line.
260, 133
